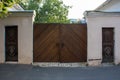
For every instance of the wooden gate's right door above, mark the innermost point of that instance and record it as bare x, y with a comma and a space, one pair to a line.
73, 43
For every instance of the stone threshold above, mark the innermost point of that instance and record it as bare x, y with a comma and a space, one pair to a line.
52, 64
107, 64
56, 64
11, 62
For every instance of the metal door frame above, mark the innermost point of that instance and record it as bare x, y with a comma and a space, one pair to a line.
5, 40
113, 43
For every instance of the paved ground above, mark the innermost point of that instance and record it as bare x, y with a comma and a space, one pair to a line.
29, 72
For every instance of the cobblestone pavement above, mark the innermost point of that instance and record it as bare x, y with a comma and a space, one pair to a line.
29, 72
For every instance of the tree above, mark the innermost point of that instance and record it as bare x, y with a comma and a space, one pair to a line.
48, 11
4, 5
32, 5
53, 11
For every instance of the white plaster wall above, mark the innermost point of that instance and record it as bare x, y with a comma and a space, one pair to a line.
113, 6
16, 7
25, 37
2, 44
94, 25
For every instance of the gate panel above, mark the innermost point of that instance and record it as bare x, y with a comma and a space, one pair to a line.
45, 43
108, 44
73, 43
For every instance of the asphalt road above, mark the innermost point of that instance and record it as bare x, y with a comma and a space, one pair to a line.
29, 72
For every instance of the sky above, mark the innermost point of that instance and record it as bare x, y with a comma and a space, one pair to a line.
79, 6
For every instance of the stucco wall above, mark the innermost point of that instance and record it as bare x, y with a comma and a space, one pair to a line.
24, 21
112, 6
95, 22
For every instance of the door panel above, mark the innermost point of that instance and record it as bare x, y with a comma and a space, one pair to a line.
11, 43
108, 44
46, 42
74, 43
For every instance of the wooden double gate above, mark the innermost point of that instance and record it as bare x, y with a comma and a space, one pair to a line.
60, 43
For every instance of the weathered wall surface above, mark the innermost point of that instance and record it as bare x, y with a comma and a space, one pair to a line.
112, 6
95, 22
24, 21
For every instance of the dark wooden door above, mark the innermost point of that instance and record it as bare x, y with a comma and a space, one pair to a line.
46, 42
108, 44
11, 43
73, 43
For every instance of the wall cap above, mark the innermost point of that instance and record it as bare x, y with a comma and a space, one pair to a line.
101, 14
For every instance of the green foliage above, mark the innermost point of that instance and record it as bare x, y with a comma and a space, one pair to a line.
48, 11
4, 5
30, 4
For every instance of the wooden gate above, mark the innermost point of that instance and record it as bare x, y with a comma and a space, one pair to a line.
108, 44
60, 43
11, 43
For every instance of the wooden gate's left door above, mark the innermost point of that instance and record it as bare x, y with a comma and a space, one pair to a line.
46, 43
11, 43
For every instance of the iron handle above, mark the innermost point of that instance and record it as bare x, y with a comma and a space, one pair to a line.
62, 45
57, 44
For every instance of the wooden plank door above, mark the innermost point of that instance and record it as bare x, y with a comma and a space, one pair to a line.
46, 43
107, 44
11, 43
73, 43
